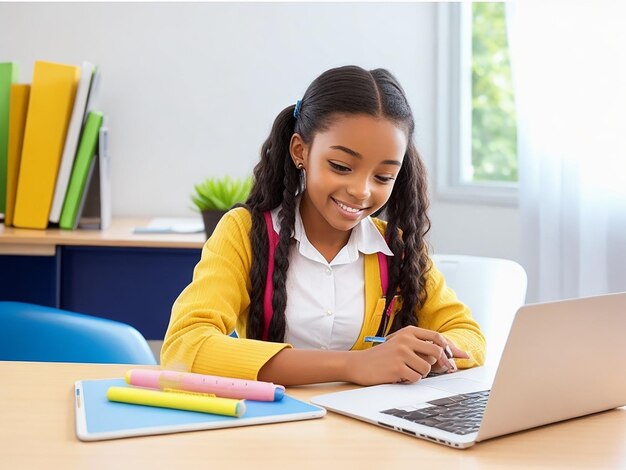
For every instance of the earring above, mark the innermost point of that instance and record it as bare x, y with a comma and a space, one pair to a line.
299, 166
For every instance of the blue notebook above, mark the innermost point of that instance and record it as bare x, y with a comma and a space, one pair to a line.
97, 418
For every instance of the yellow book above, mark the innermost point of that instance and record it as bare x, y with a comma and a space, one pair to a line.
52, 94
17, 122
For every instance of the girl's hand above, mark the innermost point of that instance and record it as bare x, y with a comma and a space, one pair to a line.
448, 365
445, 362
406, 356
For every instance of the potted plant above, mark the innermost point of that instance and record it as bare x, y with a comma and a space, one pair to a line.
215, 196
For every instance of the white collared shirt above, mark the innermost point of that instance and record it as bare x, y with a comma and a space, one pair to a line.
326, 301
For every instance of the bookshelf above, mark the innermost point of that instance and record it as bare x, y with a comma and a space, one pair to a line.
111, 273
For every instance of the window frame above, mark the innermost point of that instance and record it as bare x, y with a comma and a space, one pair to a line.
454, 114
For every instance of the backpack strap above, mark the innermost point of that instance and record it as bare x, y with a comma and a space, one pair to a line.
268, 311
384, 281
384, 272
273, 238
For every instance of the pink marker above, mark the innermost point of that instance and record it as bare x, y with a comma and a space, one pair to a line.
220, 386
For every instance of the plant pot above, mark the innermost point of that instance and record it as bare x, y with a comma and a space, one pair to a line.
210, 219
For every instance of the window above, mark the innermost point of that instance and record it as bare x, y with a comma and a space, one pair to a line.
476, 127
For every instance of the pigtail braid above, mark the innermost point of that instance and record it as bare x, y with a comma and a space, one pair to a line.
276, 182
409, 267
258, 273
287, 217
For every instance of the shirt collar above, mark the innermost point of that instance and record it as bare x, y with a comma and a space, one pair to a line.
365, 238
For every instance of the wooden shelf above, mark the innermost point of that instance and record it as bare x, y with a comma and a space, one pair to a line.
40, 242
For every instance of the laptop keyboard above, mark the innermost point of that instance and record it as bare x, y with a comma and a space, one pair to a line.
458, 414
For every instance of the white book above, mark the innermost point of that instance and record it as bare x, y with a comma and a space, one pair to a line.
172, 225
71, 140
105, 176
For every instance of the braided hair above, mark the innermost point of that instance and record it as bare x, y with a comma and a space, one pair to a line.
348, 90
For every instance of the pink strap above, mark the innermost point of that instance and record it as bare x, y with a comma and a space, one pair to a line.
382, 265
384, 280
268, 311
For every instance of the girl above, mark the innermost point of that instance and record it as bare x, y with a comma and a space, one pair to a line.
341, 155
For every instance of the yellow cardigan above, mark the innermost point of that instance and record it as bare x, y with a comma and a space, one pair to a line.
218, 300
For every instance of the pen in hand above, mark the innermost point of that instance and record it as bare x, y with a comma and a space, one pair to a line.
381, 339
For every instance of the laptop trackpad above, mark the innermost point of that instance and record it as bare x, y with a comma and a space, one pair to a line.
459, 385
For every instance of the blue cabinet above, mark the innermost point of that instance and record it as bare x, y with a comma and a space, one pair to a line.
32, 279
134, 285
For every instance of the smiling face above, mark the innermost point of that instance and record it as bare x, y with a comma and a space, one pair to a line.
350, 172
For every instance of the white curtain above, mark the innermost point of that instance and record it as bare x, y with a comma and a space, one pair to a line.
569, 75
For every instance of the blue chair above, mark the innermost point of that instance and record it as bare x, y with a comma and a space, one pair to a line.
34, 333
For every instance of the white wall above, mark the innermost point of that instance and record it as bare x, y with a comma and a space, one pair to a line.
191, 90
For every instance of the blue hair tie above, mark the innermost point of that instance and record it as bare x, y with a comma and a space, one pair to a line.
296, 111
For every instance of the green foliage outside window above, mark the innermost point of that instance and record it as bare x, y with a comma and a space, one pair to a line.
494, 130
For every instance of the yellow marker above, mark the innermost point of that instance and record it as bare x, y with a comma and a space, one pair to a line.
178, 401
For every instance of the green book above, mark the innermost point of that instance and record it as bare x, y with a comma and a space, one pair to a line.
9, 72
83, 163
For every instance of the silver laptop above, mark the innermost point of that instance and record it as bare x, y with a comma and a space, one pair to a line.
562, 360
